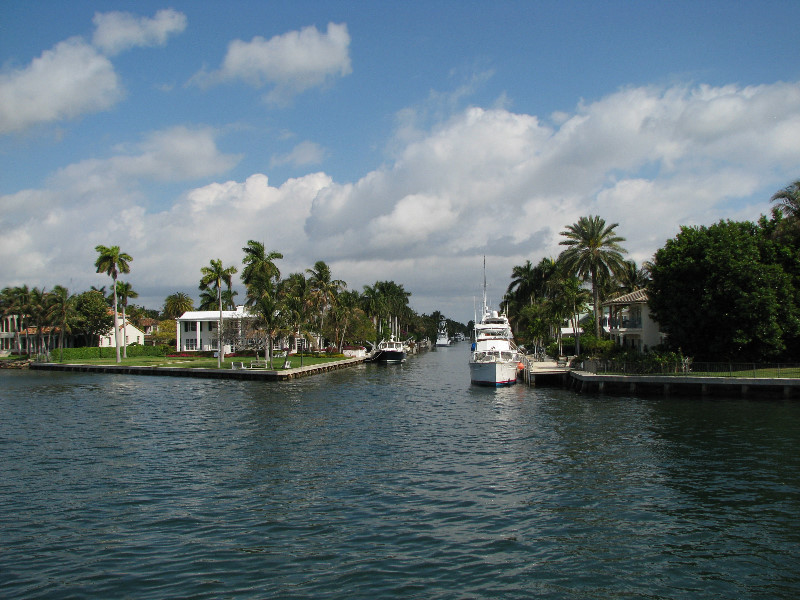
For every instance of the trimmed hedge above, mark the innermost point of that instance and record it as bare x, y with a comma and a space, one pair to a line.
96, 352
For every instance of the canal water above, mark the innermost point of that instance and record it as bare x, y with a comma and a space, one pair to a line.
390, 481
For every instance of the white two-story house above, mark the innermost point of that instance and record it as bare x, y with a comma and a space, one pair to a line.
197, 330
629, 322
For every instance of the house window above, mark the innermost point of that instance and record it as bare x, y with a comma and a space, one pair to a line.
189, 326
191, 344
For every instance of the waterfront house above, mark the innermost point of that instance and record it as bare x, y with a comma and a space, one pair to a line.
198, 330
629, 322
129, 334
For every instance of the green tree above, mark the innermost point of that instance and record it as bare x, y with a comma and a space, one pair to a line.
724, 292
296, 304
37, 311
593, 252
125, 291
176, 304
788, 200
112, 261
259, 266
93, 319
214, 276
15, 304
62, 313
324, 288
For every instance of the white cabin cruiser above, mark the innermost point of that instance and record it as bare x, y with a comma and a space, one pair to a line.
495, 359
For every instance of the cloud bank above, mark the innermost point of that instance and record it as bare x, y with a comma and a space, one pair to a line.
484, 182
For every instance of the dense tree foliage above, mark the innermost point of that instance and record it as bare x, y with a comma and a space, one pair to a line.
728, 292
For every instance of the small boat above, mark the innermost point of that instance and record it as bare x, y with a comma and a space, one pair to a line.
388, 351
442, 338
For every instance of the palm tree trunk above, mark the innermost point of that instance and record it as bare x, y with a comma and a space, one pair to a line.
219, 330
124, 335
116, 322
596, 299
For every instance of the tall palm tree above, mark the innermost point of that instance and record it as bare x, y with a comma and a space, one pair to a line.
324, 288
593, 251
176, 304
259, 265
112, 261
124, 292
295, 296
631, 278
522, 282
62, 312
37, 310
373, 303
215, 275
789, 199
15, 305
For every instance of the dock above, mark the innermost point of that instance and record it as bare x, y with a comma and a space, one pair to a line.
239, 374
550, 373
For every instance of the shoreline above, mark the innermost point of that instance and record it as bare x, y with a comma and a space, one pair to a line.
241, 374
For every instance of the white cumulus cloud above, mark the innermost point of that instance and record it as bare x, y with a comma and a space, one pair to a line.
118, 31
67, 81
483, 182
291, 63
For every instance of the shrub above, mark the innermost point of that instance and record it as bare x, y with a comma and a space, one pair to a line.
97, 352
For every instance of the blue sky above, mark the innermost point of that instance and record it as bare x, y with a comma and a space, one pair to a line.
393, 140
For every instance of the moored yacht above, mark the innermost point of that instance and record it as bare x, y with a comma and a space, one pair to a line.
495, 359
442, 338
388, 351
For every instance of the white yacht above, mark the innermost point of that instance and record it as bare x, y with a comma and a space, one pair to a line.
441, 337
495, 359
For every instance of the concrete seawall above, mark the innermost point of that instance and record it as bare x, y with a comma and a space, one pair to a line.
549, 374
241, 374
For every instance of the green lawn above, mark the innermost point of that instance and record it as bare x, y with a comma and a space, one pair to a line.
198, 362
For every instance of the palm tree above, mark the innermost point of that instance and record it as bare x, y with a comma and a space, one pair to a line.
259, 266
125, 291
208, 299
789, 199
522, 284
112, 261
593, 251
38, 315
373, 304
215, 275
632, 278
295, 297
15, 305
324, 288
176, 304
62, 313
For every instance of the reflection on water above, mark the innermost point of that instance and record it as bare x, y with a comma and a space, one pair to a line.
390, 481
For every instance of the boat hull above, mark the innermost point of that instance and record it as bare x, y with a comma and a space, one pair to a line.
388, 356
493, 373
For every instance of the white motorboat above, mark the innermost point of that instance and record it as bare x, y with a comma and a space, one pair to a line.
494, 359
442, 338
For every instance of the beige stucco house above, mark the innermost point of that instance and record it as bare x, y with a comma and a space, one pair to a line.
629, 322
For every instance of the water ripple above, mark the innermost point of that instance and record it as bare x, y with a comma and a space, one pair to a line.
399, 482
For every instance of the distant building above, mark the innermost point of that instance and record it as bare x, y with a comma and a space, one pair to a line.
132, 335
630, 324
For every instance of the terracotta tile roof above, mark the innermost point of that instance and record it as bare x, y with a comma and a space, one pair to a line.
633, 297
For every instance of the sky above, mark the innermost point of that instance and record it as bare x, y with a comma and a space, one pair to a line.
400, 141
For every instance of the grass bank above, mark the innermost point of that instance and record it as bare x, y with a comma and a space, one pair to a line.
202, 362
